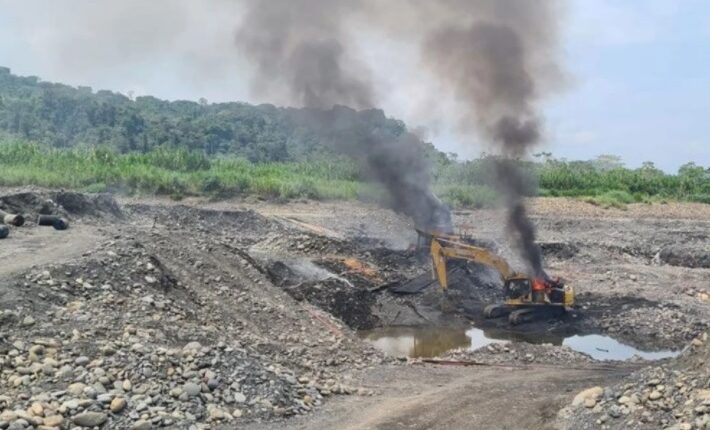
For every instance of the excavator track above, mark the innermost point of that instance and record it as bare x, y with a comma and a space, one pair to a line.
521, 316
496, 311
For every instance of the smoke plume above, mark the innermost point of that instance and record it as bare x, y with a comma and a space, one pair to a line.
513, 184
497, 57
300, 48
301, 45
391, 156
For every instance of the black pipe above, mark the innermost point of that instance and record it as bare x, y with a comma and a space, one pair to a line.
55, 221
4, 231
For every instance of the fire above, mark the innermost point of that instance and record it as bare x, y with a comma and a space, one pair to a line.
355, 265
539, 284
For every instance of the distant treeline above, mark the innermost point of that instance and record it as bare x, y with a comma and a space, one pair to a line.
58, 136
61, 116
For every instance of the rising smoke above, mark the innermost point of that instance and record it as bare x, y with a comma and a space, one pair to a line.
300, 47
391, 156
497, 57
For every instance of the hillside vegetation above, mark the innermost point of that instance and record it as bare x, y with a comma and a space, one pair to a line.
58, 136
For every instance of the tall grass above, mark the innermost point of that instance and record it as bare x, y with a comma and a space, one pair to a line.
173, 172
621, 185
178, 173
614, 187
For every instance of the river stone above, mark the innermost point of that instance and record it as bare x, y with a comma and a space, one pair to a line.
590, 393
76, 389
191, 389
142, 425
90, 419
53, 421
19, 424
614, 411
117, 405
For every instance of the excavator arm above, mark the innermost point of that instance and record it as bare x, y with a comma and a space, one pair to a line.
526, 298
443, 249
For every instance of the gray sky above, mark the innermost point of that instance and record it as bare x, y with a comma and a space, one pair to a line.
639, 69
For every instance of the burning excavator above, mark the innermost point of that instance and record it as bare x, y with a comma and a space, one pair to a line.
526, 298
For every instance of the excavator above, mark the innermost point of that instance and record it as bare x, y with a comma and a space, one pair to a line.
525, 298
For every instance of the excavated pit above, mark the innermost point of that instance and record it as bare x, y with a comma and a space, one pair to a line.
392, 291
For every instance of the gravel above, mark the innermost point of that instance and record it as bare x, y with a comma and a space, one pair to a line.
674, 394
146, 332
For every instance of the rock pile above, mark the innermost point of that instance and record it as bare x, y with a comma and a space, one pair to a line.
170, 330
521, 353
673, 395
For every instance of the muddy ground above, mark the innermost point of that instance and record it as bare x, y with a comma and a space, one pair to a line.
149, 313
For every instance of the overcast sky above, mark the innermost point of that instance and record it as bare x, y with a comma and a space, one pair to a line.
639, 70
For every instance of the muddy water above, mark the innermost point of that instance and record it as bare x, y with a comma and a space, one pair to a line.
434, 341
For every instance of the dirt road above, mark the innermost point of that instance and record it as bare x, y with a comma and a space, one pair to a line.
446, 397
41, 246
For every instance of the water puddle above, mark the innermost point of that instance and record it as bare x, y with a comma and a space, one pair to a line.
607, 348
434, 341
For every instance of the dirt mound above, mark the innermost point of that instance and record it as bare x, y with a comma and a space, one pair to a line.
559, 250
686, 256
172, 326
30, 204
64, 203
521, 353
245, 227
94, 205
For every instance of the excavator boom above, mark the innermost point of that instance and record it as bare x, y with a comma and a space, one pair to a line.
443, 249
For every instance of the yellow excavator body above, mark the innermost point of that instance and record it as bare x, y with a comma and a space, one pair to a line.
524, 295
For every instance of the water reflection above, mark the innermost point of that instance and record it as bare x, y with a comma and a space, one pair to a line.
416, 341
607, 348
434, 341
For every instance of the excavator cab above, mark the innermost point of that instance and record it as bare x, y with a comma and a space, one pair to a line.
517, 288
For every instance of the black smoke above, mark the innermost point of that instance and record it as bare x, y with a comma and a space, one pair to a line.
498, 57
300, 48
389, 155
